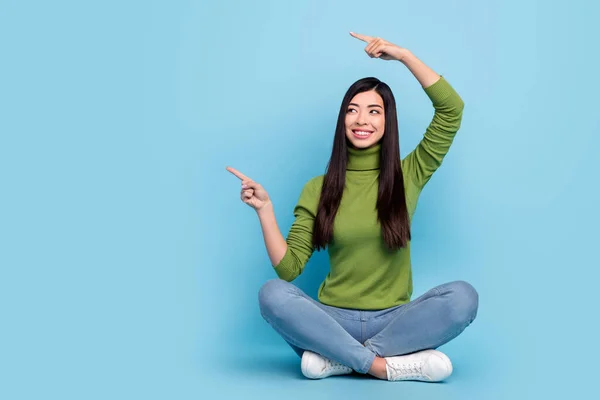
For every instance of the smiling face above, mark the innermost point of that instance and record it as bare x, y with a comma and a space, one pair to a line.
365, 119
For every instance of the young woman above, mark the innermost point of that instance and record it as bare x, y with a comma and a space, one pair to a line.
361, 210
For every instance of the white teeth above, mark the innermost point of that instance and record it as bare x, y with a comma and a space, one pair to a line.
362, 133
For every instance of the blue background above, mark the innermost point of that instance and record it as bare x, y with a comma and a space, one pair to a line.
130, 267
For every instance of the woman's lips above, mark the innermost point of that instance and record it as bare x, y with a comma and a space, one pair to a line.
363, 136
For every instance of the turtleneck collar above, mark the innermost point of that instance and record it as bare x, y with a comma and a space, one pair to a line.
364, 159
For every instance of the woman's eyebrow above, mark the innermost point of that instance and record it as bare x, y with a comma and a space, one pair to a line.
370, 105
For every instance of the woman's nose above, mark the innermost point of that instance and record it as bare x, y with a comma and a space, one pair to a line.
361, 119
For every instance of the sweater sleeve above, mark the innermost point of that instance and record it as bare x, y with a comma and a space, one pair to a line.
299, 239
426, 158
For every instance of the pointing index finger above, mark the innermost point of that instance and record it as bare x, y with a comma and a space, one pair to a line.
238, 174
364, 38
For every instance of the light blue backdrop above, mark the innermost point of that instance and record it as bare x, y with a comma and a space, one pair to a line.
129, 268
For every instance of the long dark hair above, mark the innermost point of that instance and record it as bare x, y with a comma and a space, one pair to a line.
392, 213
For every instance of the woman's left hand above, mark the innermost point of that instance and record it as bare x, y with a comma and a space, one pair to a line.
379, 48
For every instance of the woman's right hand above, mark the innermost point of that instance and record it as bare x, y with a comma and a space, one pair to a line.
252, 193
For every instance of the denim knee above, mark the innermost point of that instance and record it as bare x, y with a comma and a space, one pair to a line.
272, 295
464, 302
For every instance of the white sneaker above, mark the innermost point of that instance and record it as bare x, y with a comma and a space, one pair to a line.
315, 366
426, 365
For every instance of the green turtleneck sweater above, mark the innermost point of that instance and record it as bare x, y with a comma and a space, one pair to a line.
364, 275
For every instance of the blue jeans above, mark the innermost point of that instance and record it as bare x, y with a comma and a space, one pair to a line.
427, 322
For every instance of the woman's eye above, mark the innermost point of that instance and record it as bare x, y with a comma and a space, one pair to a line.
352, 109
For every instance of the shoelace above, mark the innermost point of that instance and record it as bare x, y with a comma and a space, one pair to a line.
330, 364
408, 369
